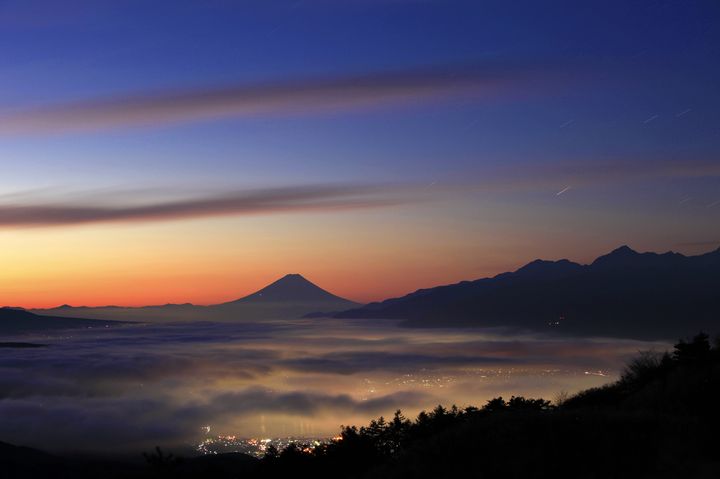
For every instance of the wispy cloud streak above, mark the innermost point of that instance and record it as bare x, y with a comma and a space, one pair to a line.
274, 200
41, 209
270, 98
554, 174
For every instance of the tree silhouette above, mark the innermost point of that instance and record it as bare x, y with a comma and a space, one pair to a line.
164, 465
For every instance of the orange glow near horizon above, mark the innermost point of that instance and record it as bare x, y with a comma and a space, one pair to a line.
134, 292
368, 256
212, 261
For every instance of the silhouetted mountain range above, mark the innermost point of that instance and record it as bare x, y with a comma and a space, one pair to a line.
13, 321
623, 293
292, 296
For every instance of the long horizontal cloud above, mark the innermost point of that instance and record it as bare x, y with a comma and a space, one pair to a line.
21, 211
274, 200
525, 176
361, 361
273, 98
254, 400
134, 423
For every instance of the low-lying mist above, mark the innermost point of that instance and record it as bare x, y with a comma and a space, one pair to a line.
129, 388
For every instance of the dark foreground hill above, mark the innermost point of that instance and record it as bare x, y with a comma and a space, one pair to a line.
26, 463
660, 420
15, 321
624, 293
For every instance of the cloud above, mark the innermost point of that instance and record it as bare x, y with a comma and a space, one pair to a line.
272, 200
95, 424
131, 388
556, 175
134, 423
40, 209
362, 361
136, 357
286, 97
254, 400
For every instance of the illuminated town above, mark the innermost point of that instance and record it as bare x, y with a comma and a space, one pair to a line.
257, 447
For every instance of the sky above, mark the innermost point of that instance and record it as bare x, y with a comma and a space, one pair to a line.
158, 152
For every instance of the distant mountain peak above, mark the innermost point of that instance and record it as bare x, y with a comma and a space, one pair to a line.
293, 277
292, 287
548, 269
617, 257
624, 250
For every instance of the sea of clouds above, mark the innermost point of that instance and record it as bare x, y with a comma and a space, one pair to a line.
132, 387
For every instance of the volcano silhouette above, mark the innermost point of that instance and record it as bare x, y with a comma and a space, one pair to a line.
291, 288
291, 296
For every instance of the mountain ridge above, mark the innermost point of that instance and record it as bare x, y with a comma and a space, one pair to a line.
620, 293
15, 321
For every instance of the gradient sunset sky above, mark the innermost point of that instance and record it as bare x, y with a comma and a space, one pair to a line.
157, 152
